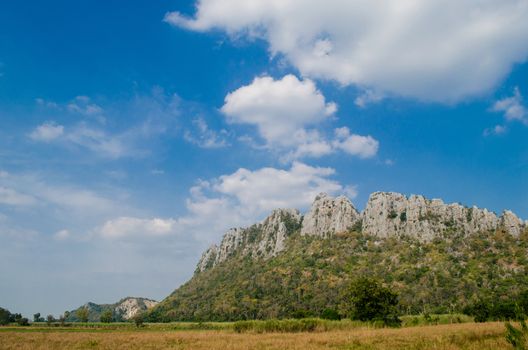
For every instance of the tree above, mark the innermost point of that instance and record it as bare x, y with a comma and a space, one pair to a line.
5, 316
50, 319
138, 320
371, 301
37, 318
106, 316
481, 310
82, 314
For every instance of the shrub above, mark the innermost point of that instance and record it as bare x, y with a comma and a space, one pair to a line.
330, 314
138, 320
372, 302
106, 316
517, 337
82, 314
298, 314
23, 321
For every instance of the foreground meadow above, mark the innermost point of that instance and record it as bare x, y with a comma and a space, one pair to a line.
452, 336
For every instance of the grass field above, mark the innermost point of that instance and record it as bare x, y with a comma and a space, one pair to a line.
447, 336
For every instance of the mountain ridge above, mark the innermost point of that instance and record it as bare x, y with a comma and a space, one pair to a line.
439, 258
385, 214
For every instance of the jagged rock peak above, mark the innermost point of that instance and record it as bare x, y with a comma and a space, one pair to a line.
328, 216
130, 307
394, 214
386, 214
264, 239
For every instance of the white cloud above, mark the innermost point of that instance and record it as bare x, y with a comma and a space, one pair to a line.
47, 132
99, 141
430, 50
286, 112
62, 235
237, 199
205, 137
512, 107
84, 106
146, 117
260, 191
368, 97
278, 108
9, 196
131, 226
357, 145
64, 200
496, 130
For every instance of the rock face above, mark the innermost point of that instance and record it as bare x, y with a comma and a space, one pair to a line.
393, 214
329, 216
387, 214
130, 307
263, 240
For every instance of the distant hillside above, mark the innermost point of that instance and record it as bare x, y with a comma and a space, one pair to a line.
123, 310
438, 257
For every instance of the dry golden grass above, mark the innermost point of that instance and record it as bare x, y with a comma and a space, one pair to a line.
455, 336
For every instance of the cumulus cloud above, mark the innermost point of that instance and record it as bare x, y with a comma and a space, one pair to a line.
278, 108
430, 50
286, 113
357, 145
47, 132
237, 199
246, 196
512, 107
260, 191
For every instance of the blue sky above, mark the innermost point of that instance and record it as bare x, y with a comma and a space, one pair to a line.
132, 136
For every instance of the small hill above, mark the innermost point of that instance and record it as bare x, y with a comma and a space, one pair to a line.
124, 310
439, 257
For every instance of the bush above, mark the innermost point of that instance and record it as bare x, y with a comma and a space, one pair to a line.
82, 314
23, 321
330, 314
106, 316
298, 314
371, 301
138, 320
517, 337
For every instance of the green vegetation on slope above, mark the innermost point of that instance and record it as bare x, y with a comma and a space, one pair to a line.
313, 274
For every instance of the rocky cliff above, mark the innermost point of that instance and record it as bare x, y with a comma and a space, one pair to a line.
393, 214
386, 214
263, 240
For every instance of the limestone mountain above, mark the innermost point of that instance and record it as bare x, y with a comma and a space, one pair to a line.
437, 256
124, 310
